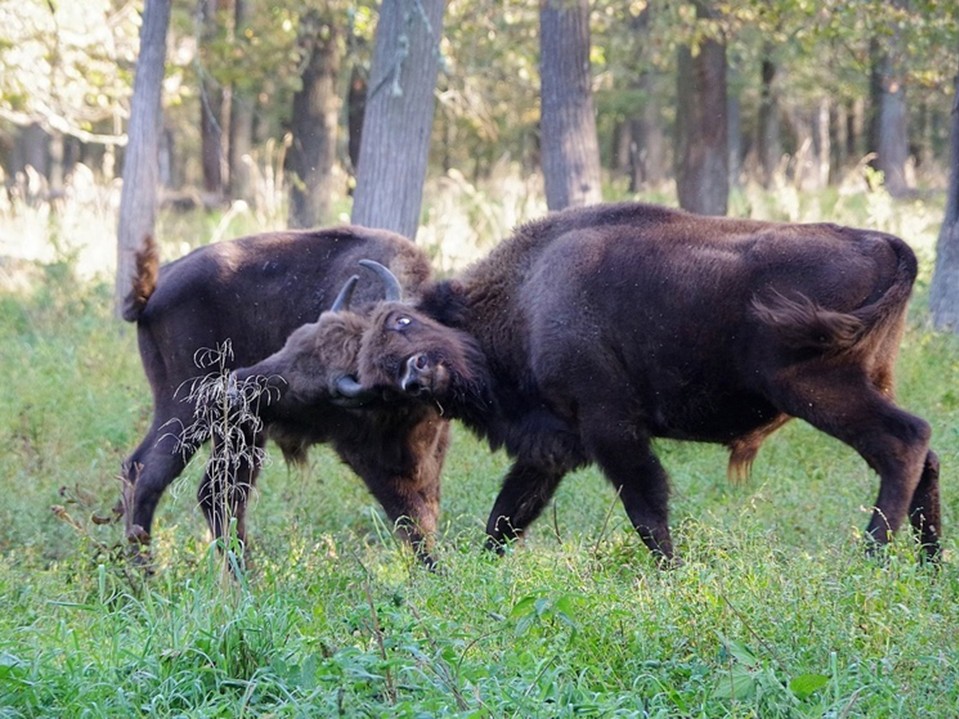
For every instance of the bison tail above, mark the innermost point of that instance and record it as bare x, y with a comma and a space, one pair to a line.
144, 280
803, 324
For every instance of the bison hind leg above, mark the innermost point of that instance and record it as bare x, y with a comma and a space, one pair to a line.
924, 510
743, 450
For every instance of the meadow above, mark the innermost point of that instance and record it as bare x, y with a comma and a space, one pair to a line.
774, 613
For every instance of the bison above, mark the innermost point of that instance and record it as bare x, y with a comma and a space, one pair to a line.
594, 330
269, 295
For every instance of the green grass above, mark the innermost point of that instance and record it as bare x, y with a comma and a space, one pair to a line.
775, 612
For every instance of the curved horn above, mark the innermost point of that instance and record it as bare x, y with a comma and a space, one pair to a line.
342, 301
347, 392
391, 285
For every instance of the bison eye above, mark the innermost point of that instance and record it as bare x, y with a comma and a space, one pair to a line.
401, 322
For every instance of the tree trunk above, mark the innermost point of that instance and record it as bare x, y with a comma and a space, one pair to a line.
944, 291
569, 146
211, 111
888, 136
770, 144
355, 107
241, 117
315, 109
399, 116
702, 158
138, 197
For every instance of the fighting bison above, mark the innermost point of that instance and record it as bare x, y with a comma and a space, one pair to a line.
267, 295
593, 330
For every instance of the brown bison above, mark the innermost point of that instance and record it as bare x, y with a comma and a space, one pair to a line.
591, 331
267, 295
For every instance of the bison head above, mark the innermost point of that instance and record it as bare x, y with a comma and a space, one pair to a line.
406, 350
317, 363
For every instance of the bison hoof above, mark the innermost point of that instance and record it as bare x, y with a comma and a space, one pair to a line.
138, 535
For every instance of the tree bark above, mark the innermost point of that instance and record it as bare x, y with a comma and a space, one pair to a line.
944, 291
702, 169
315, 109
569, 146
770, 144
888, 136
138, 198
211, 111
399, 116
241, 118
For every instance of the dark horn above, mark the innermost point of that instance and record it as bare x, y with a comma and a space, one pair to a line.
342, 301
347, 392
391, 285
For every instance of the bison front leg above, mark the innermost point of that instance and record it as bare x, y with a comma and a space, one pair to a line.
624, 455
526, 490
225, 489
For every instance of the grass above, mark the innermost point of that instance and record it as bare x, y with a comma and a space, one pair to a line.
775, 612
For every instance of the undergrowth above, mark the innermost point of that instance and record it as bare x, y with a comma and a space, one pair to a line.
774, 613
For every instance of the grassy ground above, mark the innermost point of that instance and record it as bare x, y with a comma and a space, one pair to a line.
774, 613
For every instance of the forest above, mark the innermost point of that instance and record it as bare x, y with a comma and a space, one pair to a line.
452, 122
791, 91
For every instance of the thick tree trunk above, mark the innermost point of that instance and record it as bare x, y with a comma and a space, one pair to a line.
315, 109
141, 167
944, 292
241, 118
399, 116
702, 158
888, 136
569, 146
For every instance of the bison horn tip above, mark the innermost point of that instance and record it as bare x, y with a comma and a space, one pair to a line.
391, 286
342, 301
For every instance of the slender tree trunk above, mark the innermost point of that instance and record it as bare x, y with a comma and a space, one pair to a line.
944, 292
770, 144
211, 110
355, 107
138, 198
241, 117
315, 109
399, 116
702, 158
569, 146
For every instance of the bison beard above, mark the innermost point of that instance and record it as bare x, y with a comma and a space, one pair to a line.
264, 294
594, 330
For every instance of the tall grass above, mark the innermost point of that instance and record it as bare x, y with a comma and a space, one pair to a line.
775, 612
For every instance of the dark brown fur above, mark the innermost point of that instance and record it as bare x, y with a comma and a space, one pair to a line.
266, 294
594, 330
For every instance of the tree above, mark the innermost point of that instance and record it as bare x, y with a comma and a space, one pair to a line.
211, 101
314, 122
138, 198
569, 146
944, 292
241, 111
888, 136
702, 158
398, 116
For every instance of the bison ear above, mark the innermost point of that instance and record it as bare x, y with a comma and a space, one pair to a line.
342, 301
391, 286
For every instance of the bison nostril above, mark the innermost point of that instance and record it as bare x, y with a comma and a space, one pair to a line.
420, 362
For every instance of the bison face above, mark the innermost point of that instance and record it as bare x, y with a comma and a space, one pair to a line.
410, 352
316, 364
